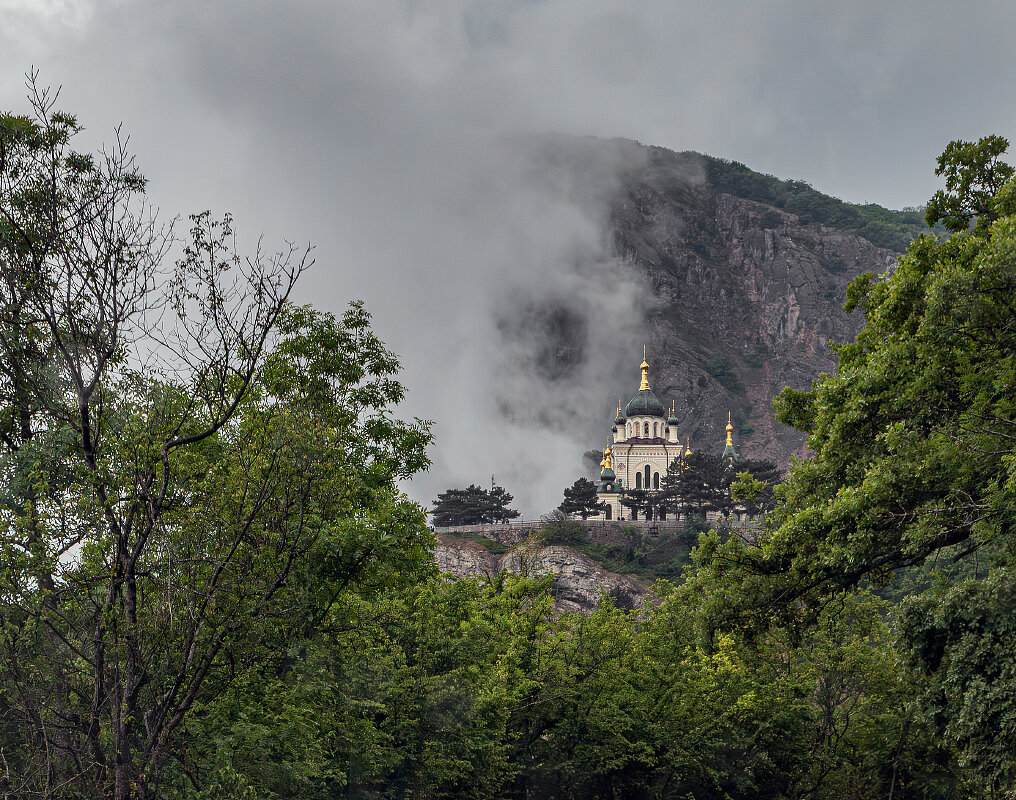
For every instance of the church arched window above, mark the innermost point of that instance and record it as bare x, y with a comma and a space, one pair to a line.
647, 476
656, 480
645, 428
638, 480
608, 513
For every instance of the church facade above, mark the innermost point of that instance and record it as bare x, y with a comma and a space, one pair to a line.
644, 443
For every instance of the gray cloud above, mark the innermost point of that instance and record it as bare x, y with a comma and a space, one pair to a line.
405, 138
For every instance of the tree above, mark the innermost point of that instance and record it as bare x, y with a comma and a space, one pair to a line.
460, 507
913, 469
636, 500
580, 499
498, 501
911, 434
974, 178
703, 484
192, 472
755, 484
647, 502
473, 506
670, 487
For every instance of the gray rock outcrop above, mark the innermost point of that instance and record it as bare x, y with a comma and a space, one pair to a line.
577, 581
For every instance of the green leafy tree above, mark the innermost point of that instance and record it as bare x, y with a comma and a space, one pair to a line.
913, 462
959, 639
580, 499
193, 471
910, 435
754, 486
412, 697
974, 178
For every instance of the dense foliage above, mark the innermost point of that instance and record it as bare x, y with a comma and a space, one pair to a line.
211, 586
914, 471
193, 473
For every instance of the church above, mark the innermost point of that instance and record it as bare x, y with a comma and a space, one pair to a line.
644, 443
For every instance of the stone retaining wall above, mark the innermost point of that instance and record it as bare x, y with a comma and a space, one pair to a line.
515, 532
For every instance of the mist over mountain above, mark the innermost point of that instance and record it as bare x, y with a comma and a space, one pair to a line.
747, 275
733, 280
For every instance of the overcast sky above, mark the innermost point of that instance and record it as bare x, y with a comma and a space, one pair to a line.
388, 133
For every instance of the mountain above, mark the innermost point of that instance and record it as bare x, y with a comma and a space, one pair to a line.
747, 274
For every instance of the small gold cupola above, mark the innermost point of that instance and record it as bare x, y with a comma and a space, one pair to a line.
606, 471
645, 370
729, 452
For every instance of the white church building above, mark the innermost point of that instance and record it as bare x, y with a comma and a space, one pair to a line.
644, 444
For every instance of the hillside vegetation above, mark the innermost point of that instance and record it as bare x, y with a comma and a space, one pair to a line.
881, 226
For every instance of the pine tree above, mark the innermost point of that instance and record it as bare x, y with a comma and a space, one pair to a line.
498, 500
460, 507
670, 487
704, 484
580, 499
473, 506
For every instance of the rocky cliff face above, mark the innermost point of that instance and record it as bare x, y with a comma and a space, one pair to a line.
576, 580
745, 294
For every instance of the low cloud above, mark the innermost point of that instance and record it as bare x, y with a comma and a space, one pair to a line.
412, 142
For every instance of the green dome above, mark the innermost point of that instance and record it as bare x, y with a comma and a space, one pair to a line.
645, 404
608, 481
672, 420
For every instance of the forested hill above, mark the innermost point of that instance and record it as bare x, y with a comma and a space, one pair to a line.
747, 274
881, 226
